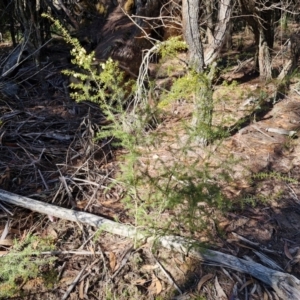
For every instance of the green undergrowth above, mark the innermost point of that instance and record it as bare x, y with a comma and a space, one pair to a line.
23, 262
258, 199
178, 190
274, 175
270, 195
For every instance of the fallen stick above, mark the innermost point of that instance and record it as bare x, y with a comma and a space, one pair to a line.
71, 215
286, 286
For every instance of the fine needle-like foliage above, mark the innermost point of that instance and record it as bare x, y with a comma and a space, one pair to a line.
180, 181
22, 263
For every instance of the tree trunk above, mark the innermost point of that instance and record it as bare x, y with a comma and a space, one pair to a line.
261, 18
210, 21
294, 55
228, 38
12, 30
264, 58
220, 32
203, 108
191, 33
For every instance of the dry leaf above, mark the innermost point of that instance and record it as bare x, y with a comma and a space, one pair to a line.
67, 280
178, 261
107, 202
220, 293
139, 281
73, 296
286, 251
182, 265
234, 292
6, 242
112, 261
81, 291
33, 284
185, 266
91, 248
204, 279
49, 232
149, 267
250, 281
81, 204
224, 224
2, 253
5, 231
51, 218
156, 287
35, 244
253, 289
152, 288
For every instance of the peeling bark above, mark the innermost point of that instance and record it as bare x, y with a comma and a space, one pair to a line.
264, 58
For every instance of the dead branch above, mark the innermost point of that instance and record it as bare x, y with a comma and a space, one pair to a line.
73, 21
71, 215
285, 285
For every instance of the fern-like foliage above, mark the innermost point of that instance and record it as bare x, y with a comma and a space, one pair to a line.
22, 263
274, 175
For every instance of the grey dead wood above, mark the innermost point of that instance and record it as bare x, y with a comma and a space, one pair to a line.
286, 286
68, 214
294, 54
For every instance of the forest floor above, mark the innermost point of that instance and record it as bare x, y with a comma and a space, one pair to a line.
48, 154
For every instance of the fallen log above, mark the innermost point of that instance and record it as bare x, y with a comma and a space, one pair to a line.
70, 215
286, 286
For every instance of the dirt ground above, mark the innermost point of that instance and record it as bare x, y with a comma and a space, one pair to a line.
48, 154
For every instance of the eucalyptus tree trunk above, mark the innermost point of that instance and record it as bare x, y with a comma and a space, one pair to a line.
191, 33
28, 14
293, 56
203, 108
220, 35
209, 20
264, 57
261, 18
203, 104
